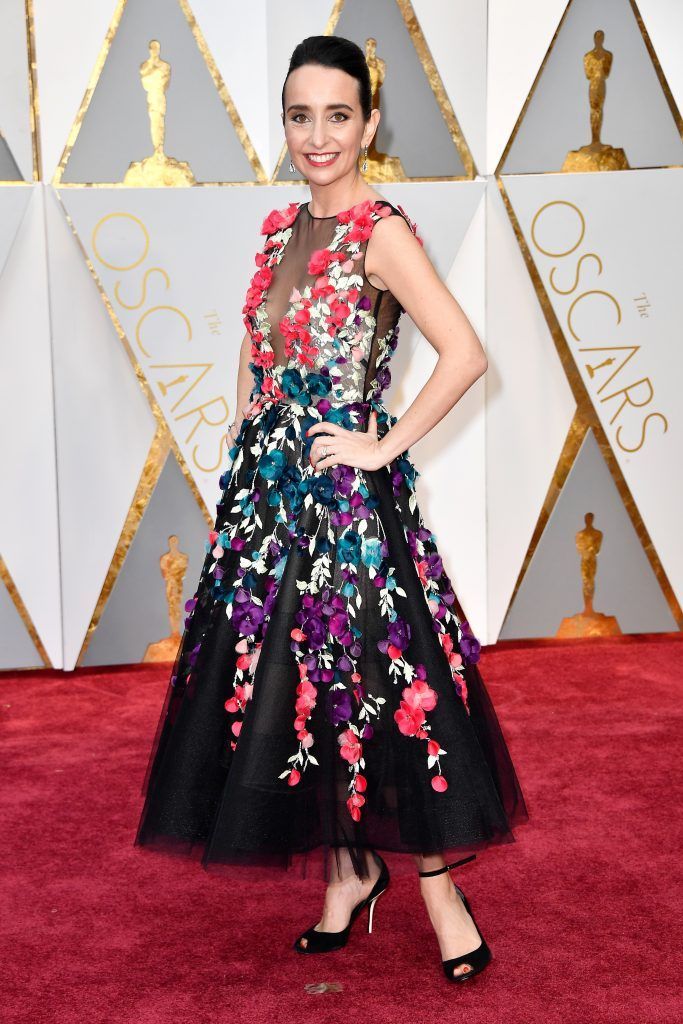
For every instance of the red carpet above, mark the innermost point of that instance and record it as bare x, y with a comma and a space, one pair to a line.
583, 912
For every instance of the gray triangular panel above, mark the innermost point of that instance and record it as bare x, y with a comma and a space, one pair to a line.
17, 650
116, 127
136, 613
626, 585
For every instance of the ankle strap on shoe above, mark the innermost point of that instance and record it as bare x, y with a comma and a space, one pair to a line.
446, 867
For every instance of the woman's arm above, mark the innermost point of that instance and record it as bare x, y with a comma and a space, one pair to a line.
396, 257
245, 386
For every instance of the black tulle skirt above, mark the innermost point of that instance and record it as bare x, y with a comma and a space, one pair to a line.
326, 694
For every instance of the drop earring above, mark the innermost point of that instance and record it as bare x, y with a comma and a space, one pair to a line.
364, 165
291, 167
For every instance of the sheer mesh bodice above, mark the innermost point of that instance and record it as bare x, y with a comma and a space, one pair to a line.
309, 234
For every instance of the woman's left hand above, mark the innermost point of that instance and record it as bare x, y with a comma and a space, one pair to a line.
355, 448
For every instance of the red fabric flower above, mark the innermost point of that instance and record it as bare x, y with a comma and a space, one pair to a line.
339, 311
306, 697
237, 701
353, 810
278, 219
409, 718
351, 748
320, 260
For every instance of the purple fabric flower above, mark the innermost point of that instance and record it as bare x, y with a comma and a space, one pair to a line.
434, 566
338, 706
247, 616
341, 518
398, 632
469, 645
339, 627
383, 378
344, 477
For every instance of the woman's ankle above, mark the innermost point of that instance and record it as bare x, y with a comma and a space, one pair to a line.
346, 867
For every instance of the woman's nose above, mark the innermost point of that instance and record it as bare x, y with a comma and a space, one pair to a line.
318, 134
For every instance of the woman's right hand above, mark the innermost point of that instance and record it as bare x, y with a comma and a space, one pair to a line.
235, 426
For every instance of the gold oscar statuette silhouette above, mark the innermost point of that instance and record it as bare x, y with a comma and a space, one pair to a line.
597, 156
380, 166
158, 170
589, 622
173, 566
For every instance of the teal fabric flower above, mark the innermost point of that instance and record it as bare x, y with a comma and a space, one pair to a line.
371, 552
272, 464
349, 547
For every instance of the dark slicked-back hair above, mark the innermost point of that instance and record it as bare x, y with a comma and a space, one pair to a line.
334, 52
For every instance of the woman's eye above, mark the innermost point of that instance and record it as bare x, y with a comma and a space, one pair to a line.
344, 117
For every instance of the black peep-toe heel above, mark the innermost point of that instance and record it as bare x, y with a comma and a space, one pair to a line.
328, 942
477, 959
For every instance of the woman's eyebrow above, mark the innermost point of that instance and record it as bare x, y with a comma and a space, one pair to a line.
330, 106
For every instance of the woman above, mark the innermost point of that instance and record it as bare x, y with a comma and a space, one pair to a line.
325, 696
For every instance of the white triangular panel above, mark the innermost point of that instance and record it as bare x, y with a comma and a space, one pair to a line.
67, 58
14, 201
450, 458
236, 36
663, 21
15, 95
529, 409
519, 35
105, 429
29, 541
456, 36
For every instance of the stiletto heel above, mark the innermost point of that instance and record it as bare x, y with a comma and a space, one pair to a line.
328, 942
371, 909
477, 959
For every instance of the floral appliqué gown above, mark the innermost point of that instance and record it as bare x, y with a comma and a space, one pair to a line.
325, 694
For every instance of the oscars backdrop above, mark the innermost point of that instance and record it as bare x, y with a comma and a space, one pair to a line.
538, 147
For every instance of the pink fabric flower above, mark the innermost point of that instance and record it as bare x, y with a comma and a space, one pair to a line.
420, 695
351, 748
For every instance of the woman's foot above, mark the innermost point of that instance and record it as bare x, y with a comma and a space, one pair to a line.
341, 896
455, 930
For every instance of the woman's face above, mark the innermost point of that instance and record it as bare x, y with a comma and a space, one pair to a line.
323, 123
